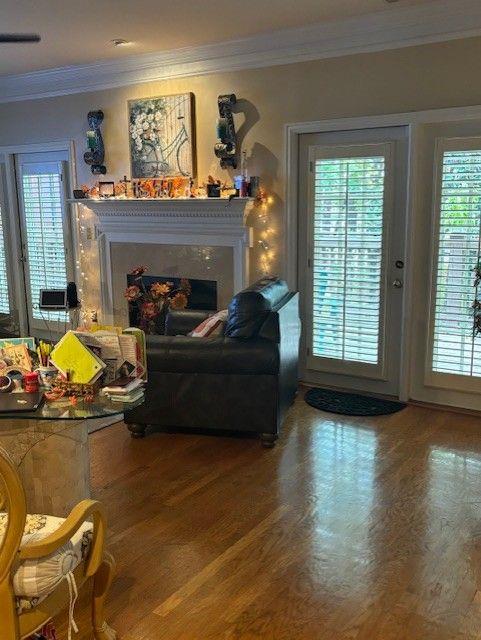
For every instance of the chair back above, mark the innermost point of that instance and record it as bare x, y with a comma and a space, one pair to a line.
14, 510
250, 308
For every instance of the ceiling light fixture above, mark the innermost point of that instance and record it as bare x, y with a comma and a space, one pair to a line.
120, 42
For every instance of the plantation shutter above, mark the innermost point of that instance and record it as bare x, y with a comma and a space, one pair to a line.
347, 235
4, 292
455, 349
44, 232
4, 288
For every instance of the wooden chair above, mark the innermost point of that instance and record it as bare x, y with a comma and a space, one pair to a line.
17, 624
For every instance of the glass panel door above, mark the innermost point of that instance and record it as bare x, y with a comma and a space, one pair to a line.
45, 233
455, 347
353, 217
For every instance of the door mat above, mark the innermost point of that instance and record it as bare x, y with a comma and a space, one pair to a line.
350, 404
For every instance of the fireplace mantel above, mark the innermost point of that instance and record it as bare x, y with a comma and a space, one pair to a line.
211, 208
215, 222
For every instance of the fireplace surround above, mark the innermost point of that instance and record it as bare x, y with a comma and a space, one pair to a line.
209, 222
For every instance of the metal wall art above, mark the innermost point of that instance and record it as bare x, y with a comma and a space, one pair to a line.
226, 146
96, 152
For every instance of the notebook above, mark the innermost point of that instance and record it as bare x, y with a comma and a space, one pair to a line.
76, 361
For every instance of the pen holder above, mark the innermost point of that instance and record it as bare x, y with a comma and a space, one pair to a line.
47, 375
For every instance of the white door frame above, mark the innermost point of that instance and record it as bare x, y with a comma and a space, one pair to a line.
12, 229
413, 121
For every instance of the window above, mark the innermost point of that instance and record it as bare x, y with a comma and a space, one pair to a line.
348, 257
455, 350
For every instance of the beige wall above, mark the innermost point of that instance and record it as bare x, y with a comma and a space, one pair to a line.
416, 78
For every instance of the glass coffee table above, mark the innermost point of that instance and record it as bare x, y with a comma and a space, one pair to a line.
50, 449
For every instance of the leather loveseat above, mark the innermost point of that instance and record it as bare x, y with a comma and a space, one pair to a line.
243, 381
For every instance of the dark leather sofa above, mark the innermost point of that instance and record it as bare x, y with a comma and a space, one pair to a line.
243, 381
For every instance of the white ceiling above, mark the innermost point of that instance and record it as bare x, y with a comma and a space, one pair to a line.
79, 32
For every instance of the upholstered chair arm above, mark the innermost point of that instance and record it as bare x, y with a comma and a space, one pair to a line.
13, 501
182, 321
79, 514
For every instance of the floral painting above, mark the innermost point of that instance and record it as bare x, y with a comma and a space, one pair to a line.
161, 136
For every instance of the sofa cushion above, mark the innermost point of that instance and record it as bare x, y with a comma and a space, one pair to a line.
34, 580
211, 355
249, 308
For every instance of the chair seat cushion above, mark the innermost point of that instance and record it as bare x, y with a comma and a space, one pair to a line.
34, 580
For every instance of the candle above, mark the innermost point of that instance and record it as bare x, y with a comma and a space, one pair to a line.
91, 139
222, 128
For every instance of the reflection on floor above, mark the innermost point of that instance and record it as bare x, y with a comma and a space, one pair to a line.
351, 528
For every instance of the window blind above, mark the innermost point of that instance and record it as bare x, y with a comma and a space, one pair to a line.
347, 257
455, 349
4, 294
42, 205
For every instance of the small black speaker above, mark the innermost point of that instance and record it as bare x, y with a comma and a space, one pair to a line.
72, 299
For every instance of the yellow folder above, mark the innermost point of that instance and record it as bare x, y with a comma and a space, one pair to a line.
76, 361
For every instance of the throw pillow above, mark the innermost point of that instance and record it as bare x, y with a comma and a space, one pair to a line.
212, 326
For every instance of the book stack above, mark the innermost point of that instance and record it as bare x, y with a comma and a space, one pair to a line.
124, 389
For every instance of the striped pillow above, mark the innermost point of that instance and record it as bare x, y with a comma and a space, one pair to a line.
212, 326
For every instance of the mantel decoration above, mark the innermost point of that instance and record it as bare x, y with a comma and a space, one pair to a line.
96, 152
226, 146
151, 302
161, 134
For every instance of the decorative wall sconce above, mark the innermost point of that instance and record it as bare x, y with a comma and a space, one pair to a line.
96, 152
226, 146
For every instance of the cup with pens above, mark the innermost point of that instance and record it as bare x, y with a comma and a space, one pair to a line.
46, 371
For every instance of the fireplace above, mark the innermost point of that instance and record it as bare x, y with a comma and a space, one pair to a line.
204, 239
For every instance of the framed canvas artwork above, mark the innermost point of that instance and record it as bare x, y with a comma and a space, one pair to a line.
161, 134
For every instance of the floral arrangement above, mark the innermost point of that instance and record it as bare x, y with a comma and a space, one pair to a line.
154, 301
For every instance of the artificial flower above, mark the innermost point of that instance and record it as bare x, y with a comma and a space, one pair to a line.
149, 310
185, 286
132, 293
179, 301
138, 271
159, 289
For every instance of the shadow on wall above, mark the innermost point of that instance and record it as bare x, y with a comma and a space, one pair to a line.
251, 117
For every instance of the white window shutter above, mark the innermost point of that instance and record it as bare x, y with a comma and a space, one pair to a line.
348, 257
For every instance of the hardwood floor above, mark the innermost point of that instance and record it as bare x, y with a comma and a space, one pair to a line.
349, 529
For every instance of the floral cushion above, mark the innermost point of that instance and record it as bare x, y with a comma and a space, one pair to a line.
34, 580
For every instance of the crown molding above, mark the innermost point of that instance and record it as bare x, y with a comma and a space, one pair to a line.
394, 28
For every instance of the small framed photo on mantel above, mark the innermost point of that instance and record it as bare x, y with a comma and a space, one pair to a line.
106, 189
162, 136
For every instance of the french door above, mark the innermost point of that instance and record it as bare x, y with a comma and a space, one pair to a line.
351, 257
453, 359
45, 233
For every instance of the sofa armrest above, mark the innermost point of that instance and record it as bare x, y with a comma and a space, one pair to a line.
183, 321
182, 354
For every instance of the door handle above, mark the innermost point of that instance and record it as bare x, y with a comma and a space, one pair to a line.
397, 284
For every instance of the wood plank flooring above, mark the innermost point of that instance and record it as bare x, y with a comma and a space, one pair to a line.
350, 529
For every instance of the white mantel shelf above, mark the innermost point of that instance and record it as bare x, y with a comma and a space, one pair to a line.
168, 207
214, 222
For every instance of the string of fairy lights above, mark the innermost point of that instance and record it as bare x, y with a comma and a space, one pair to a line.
266, 234
87, 314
